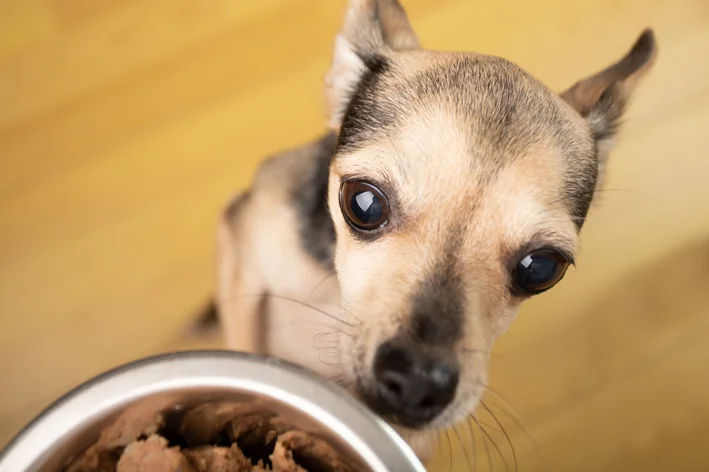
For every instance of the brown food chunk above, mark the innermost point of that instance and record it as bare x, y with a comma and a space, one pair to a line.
217, 459
252, 425
204, 424
255, 436
280, 425
152, 455
141, 420
94, 460
260, 468
297, 451
222, 437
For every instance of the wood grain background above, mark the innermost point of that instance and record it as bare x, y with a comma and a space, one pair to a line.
125, 125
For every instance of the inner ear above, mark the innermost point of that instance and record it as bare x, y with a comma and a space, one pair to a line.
602, 98
396, 29
373, 26
372, 29
621, 76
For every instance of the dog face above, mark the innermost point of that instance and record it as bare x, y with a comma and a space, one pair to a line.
458, 190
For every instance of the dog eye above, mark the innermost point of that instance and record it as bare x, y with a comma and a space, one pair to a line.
540, 270
364, 206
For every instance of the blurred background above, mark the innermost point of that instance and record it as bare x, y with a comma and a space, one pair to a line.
126, 125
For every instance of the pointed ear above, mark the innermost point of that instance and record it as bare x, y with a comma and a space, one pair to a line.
602, 98
372, 29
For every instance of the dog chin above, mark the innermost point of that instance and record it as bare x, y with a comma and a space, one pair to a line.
422, 439
422, 442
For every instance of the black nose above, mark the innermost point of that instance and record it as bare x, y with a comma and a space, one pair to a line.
412, 386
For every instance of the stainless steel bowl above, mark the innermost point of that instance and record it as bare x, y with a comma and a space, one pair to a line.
74, 422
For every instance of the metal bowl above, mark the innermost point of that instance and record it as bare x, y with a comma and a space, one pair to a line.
74, 422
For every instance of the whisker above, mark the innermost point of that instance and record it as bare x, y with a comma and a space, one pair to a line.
320, 338
513, 415
342, 383
494, 444
499, 396
330, 364
487, 449
486, 353
325, 345
563, 219
298, 322
627, 190
328, 347
322, 335
450, 451
504, 431
291, 300
327, 277
489, 426
328, 350
475, 350
434, 436
473, 446
465, 452
494, 392
307, 305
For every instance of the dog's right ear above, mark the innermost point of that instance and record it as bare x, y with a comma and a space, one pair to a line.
603, 97
372, 29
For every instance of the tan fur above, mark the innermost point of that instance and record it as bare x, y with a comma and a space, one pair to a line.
260, 260
452, 174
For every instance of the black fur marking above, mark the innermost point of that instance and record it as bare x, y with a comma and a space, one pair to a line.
438, 307
208, 317
581, 175
233, 208
365, 115
375, 64
316, 230
581, 188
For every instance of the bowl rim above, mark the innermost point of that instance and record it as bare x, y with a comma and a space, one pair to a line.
377, 442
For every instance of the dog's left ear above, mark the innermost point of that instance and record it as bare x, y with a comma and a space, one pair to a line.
602, 98
372, 30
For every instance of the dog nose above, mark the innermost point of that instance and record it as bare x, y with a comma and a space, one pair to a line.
412, 386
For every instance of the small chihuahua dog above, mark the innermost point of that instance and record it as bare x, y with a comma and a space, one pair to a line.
450, 188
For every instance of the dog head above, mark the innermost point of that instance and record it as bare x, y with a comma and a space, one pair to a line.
458, 190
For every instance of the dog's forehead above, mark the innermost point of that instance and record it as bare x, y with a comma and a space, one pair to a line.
503, 106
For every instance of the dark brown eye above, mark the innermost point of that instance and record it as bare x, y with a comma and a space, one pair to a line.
540, 270
364, 206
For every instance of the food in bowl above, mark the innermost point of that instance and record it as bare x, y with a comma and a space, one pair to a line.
212, 437
208, 409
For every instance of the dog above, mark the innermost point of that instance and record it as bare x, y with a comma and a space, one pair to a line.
394, 249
